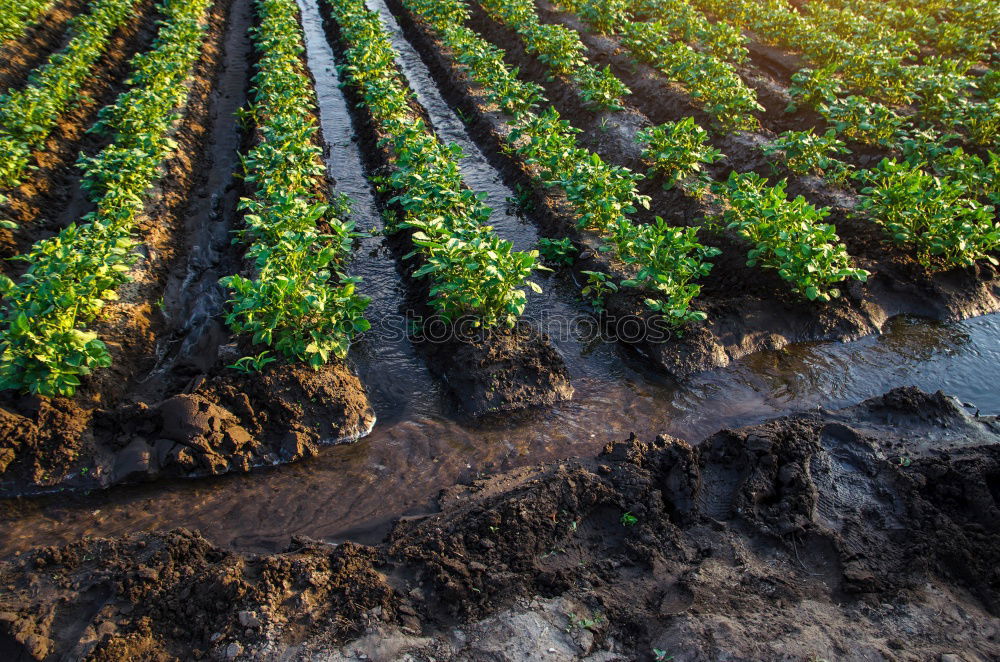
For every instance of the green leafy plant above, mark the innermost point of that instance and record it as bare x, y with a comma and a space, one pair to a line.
628, 519
804, 152
599, 285
557, 251
252, 364
931, 213
865, 121
678, 150
788, 236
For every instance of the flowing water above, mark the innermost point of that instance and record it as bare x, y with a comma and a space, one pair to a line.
416, 449
353, 492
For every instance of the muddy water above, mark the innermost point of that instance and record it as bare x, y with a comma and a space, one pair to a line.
352, 492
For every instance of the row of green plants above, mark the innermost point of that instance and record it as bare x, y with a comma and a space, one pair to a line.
788, 235
298, 301
859, 73
713, 84
560, 50
939, 200
934, 214
29, 115
17, 15
929, 26
666, 261
473, 272
45, 343
690, 25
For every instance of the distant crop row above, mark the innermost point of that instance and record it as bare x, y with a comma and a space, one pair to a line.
297, 301
559, 49
711, 82
45, 344
861, 70
29, 115
472, 271
952, 29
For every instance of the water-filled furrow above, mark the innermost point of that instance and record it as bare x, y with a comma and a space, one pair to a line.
193, 299
398, 381
354, 491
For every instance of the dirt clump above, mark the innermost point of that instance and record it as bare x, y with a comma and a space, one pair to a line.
865, 533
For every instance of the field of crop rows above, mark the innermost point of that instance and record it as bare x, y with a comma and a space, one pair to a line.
703, 178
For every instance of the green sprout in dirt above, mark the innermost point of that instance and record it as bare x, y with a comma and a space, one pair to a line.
557, 251
628, 519
251, 364
582, 623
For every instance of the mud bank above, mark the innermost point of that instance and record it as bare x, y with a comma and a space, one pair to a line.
864, 533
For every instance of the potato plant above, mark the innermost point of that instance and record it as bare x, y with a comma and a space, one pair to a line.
29, 115
679, 150
45, 347
298, 301
788, 236
804, 152
933, 214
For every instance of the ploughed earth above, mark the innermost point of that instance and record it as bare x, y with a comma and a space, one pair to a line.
864, 533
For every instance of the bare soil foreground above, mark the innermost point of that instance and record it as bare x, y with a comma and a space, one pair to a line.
865, 533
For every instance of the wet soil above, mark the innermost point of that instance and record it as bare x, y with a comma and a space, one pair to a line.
748, 309
168, 406
864, 533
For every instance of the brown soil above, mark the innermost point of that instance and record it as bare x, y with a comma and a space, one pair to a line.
139, 419
749, 309
864, 533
